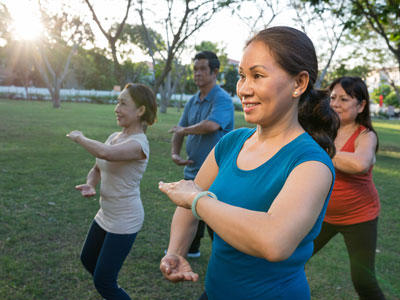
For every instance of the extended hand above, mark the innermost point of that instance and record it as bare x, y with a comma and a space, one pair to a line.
180, 161
75, 135
86, 190
177, 129
176, 268
181, 193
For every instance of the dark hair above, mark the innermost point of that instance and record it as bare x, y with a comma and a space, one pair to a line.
294, 52
356, 88
213, 61
144, 96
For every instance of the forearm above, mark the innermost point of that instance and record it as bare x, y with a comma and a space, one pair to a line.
349, 162
176, 144
183, 230
95, 148
203, 127
93, 176
241, 228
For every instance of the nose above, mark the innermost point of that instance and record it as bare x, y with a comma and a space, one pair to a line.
243, 89
334, 102
116, 109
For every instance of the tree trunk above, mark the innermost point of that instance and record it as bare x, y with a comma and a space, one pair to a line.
56, 96
163, 106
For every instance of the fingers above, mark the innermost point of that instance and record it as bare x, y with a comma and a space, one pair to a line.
165, 267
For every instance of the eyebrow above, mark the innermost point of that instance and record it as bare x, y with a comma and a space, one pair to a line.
258, 66
255, 66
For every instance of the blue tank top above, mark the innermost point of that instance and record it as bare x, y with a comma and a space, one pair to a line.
234, 275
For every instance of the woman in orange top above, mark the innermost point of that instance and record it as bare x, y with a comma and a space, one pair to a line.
354, 205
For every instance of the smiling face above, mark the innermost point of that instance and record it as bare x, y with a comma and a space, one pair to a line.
128, 114
264, 88
346, 106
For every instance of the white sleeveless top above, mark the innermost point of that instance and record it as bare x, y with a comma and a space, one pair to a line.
121, 210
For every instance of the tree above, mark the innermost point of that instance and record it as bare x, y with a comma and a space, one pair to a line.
379, 16
333, 26
179, 22
231, 78
343, 70
54, 51
112, 36
257, 13
20, 62
5, 22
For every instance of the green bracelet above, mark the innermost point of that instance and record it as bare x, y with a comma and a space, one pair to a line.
198, 196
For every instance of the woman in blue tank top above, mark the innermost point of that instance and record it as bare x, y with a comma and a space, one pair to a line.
264, 191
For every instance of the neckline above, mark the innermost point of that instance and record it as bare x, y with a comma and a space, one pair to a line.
118, 134
247, 136
353, 136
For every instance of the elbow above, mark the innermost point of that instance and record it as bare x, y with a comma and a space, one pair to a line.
276, 251
104, 154
212, 126
361, 168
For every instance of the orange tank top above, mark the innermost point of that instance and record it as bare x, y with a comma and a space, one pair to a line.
354, 197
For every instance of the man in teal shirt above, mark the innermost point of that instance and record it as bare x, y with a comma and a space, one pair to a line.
207, 117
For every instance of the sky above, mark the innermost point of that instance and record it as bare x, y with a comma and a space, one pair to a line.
224, 29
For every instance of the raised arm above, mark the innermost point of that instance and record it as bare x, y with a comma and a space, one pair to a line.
183, 228
361, 160
128, 150
273, 235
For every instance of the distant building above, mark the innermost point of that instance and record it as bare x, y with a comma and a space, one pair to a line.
385, 75
233, 62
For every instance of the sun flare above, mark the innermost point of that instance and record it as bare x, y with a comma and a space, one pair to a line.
26, 24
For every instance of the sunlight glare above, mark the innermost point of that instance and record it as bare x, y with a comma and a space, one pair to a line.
27, 25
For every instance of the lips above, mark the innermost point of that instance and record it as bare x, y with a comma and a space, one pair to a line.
248, 107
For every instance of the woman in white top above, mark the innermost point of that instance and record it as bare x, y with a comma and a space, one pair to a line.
120, 164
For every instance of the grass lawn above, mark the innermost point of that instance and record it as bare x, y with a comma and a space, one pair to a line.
43, 220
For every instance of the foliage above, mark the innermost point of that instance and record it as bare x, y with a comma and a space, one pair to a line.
388, 93
342, 70
231, 78
364, 17
180, 21
219, 50
383, 90
5, 23
113, 36
44, 220
391, 99
136, 34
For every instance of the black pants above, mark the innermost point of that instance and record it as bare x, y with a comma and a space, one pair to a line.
195, 246
360, 240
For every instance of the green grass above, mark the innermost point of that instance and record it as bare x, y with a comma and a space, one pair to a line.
43, 220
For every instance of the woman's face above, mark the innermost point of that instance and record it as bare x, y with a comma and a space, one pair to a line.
264, 88
346, 106
126, 111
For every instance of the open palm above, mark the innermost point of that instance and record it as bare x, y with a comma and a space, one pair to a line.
86, 190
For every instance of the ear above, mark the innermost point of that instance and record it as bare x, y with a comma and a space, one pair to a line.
301, 83
141, 110
361, 106
215, 72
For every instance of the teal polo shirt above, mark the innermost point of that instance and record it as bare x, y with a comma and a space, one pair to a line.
217, 106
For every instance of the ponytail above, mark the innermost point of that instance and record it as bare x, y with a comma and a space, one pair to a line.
318, 118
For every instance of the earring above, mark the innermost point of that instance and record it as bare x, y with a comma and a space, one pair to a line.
295, 94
